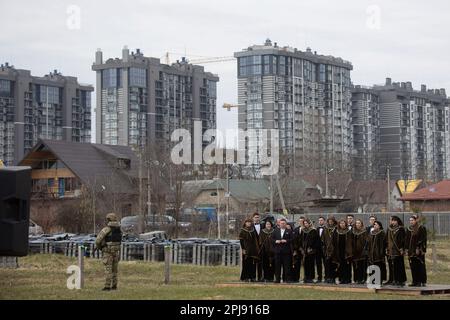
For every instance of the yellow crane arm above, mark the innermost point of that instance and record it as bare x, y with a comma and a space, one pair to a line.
228, 106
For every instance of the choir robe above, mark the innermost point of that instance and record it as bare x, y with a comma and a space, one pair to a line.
267, 254
377, 251
416, 247
342, 255
250, 243
395, 250
359, 255
309, 246
328, 249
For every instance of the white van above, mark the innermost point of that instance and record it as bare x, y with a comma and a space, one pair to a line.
34, 229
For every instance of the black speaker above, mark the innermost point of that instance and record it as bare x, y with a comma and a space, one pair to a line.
15, 190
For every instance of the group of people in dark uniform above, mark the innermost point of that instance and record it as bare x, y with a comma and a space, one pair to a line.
335, 249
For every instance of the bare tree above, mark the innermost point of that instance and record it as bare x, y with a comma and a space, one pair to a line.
77, 216
167, 179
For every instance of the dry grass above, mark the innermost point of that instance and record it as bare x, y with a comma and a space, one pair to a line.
44, 277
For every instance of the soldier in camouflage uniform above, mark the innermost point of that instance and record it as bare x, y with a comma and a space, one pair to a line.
108, 240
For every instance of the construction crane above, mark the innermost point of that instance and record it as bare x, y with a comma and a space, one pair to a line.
199, 59
212, 60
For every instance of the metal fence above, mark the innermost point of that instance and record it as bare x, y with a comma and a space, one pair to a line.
9, 262
203, 252
437, 223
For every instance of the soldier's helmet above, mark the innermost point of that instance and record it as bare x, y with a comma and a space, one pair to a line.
111, 217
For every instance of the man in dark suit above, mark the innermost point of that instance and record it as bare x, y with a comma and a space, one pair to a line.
350, 221
282, 242
258, 227
320, 258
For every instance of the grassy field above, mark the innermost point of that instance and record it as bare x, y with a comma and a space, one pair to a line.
44, 277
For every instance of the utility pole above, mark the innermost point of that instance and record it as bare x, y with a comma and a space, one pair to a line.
388, 172
141, 220
46, 118
93, 203
327, 172
271, 195
149, 199
218, 206
227, 195
281, 194
93, 207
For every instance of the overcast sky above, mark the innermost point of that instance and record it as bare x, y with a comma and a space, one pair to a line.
404, 40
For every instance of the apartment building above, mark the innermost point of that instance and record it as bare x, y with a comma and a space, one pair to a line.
413, 130
53, 107
366, 132
141, 101
306, 96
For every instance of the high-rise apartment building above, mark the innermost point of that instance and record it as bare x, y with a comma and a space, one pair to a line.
413, 141
53, 107
306, 96
366, 132
140, 100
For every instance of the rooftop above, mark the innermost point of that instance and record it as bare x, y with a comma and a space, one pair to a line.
405, 87
242, 190
53, 78
438, 191
91, 163
269, 48
137, 59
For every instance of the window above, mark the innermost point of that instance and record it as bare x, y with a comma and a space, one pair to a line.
5, 88
85, 100
274, 64
138, 77
281, 65
111, 78
123, 163
70, 184
321, 73
251, 65
212, 89
49, 94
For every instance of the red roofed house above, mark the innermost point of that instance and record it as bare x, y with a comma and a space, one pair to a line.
435, 197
